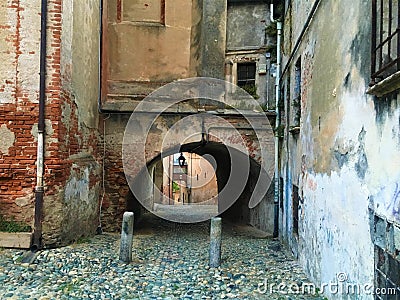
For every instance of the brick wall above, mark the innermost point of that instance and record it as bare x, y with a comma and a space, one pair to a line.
19, 44
71, 175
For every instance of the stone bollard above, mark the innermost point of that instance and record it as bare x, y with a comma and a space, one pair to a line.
125, 250
215, 242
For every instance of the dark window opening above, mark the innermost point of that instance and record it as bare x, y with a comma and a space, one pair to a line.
281, 183
285, 113
385, 41
246, 74
386, 260
295, 209
297, 94
387, 274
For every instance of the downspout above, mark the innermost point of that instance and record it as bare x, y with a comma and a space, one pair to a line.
99, 104
39, 190
278, 120
301, 36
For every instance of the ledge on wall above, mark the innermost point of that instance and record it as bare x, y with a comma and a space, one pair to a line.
385, 86
294, 129
21, 240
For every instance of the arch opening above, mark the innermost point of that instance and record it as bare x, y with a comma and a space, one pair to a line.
205, 182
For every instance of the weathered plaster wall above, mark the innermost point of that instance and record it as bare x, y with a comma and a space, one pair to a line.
72, 203
246, 24
70, 115
152, 47
117, 194
346, 157
19, 79
213, 38
72, 210
203, 181
249, 37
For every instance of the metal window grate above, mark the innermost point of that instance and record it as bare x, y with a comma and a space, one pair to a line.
387, 276
385, 43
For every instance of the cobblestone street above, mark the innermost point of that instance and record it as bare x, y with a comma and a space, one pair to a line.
170, 261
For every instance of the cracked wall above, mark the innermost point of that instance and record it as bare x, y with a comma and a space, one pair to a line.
347, 151
19, 79
71, 205
71, 118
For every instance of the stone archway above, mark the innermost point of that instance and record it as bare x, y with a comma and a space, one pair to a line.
234, 195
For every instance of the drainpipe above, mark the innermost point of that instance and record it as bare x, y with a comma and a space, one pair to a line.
99, 104
268, 58
301, 36
278, 120
39, 190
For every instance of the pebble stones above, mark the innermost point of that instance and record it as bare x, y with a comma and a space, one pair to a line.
169, 263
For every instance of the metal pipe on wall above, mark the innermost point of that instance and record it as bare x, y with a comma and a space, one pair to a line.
277, 122
302, 33
39, 190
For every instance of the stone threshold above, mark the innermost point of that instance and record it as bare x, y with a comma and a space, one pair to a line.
20, 240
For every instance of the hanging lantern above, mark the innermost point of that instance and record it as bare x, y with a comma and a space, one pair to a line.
181, 160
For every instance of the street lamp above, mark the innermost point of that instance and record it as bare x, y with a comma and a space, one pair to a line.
181, 160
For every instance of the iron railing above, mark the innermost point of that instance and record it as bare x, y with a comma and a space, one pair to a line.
385, 46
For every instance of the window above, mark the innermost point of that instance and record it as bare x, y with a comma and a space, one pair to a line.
385, 46
297, 94
387, 259
295, 209
246, 74
281, 190
387, 274
295, 115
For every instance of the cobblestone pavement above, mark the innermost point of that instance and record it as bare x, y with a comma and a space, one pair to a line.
170, 261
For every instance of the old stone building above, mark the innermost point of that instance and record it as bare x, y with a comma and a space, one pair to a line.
68, 90
178, 40
57, 67
73, 159
340, 148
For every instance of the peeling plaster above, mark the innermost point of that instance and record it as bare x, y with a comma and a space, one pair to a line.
24, 201
346, 159
341, 234
49, 131
361, 165
77, 188
7, 139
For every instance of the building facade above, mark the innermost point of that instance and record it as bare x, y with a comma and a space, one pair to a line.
177, 40
340, 149
67, 93
339, 167
72, 169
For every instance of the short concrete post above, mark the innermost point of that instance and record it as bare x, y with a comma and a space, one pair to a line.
215, 242
125, 250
